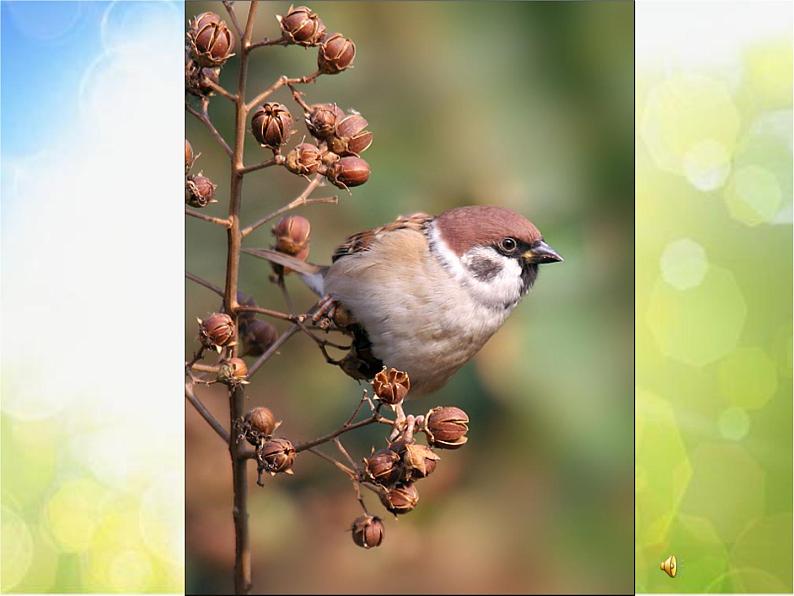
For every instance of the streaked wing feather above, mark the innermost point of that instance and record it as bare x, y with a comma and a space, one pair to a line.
363, 240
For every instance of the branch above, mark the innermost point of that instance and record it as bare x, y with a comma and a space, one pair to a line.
204, 118
275, 161
216, 220
203, 282
282, 80
220, 90
298, 201
345, 428
272, 350
235, 23
270, 313
279, 41
205, 413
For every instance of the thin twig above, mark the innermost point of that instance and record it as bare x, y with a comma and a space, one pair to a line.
270, 313
206, 414
333, 461
272, 350
216, 220
205, 119
279, 41
280, 82
330, 436
219, 90
203, 282
299, 201
274, 161
235, 23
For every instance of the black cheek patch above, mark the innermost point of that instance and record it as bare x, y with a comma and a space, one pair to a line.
484, 269
529, 273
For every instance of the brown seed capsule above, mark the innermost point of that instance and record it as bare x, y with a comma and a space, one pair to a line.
367, 531
271, 124
350, 136
233, 371
446, 427
243, 316
400, 499
197, 77
199, 191
391, 385
216, 331
189, 156
211, 41
336, 54
304, 159
419, 460
321, 120
262, 421
277, 455
292, 234
383, 467
257, 336
302, 26
348, 171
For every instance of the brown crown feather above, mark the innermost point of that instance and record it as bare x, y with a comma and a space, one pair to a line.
465, 227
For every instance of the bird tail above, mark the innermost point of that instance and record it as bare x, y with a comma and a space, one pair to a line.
312, 275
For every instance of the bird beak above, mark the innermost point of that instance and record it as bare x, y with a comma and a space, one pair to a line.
541, 253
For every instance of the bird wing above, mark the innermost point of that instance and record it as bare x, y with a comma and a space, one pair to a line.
363, 240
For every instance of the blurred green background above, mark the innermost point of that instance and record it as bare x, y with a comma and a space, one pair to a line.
523, 105
714, 296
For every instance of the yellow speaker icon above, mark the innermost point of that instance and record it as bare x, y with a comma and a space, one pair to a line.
669, 566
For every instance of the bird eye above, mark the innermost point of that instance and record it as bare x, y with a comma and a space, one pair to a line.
508, 244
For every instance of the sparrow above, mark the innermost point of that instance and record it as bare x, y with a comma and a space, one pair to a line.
424, 293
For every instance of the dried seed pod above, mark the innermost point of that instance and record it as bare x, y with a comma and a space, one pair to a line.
336, 54
257, 336
322, 118
199, 191
276, 455
197, 77
302, 26
348, 171
304, 159
391, 385
292, 234
211, 41
216, 331
350, 136
400, 499
419, 460
271, 124
367, 531
189, 156
262, 421
233, 371
446, 427
383, 467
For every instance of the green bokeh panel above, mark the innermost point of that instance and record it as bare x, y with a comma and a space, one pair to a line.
713, 306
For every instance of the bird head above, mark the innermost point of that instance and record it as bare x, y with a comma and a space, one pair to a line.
494, 252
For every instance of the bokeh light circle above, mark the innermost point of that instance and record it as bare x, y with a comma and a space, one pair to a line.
748, 378
753, 195
128, 24
73, 514
701, 324
17, 549
45, 25
682, 113
683, 263
734, 424
707, 165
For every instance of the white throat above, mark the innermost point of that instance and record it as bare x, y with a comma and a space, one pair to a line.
491, 279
